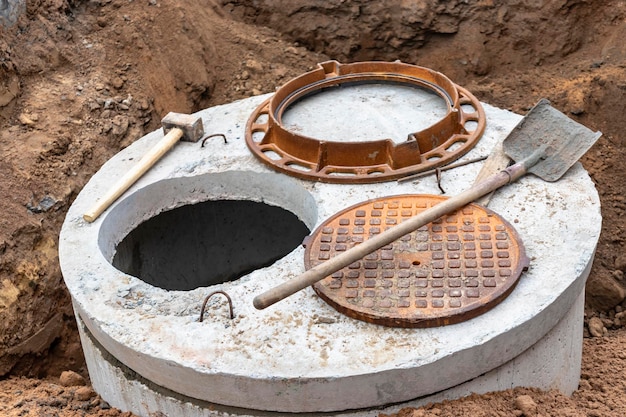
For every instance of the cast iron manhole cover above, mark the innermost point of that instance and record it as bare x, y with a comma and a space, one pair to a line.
446, 272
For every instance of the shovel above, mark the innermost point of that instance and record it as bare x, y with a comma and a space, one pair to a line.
545, 143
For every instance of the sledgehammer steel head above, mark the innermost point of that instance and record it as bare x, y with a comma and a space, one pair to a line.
190, 125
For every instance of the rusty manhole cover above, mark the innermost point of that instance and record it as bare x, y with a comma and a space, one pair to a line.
446, 272
371, 161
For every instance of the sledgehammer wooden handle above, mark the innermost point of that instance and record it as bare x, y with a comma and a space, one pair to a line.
124, 183
177, 127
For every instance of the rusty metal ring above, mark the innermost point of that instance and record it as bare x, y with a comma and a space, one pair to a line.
371, 161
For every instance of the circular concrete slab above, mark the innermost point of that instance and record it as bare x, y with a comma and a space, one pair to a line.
300, 355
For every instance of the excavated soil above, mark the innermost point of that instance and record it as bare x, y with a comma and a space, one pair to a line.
82, 79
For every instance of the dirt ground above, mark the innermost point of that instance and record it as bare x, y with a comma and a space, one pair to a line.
82, 79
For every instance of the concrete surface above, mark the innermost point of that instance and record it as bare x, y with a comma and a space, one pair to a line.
300, 355
380, 112
551, 363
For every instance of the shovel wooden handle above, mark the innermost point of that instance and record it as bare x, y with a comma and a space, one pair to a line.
357, 252
124, 183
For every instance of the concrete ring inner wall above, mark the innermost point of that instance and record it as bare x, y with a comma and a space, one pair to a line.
273, 189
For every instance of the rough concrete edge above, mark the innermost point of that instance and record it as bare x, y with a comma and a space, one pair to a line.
130, 385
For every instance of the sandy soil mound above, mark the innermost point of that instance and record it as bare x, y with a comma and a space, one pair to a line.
82, 79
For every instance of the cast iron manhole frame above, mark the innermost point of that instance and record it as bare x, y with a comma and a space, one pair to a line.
371, 161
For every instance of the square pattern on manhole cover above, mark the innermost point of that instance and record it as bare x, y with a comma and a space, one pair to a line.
447, 271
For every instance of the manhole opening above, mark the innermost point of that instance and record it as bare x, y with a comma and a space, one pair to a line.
208, 243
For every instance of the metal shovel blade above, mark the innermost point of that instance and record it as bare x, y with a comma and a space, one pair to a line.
562, 139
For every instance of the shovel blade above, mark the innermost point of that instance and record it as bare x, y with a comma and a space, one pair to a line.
563, 141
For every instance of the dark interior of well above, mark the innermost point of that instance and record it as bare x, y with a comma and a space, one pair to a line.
208, 243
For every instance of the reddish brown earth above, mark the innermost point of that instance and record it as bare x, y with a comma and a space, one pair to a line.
80, 80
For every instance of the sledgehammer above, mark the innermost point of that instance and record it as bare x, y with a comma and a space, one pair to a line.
176, 126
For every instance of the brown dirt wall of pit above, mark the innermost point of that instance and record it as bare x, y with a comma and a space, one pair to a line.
82, 79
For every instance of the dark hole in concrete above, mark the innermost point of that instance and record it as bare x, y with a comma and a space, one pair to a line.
208, 243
